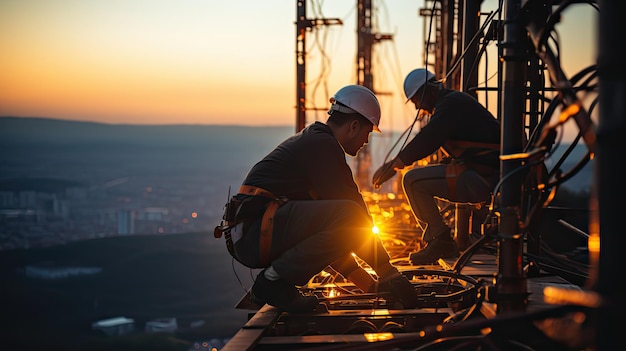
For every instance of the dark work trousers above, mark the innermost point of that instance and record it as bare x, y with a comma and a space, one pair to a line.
423, 185
310, 235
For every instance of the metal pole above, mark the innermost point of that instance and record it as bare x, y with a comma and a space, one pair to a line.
606, 216
511, 282
301, 26
469, 68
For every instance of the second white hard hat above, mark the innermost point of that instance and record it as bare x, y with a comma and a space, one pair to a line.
415, 80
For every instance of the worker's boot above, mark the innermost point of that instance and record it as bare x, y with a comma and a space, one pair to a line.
402, 289
363, 280
442, 246
282, 295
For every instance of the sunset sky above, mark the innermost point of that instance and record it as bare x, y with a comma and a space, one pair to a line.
209, 61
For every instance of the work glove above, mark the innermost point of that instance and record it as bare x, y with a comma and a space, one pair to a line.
383, 174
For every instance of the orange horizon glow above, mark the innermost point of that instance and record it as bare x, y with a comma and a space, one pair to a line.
164, 62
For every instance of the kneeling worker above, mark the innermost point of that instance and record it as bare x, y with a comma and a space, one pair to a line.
299, 210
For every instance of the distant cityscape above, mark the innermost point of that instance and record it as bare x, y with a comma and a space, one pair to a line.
34, 214
64, 181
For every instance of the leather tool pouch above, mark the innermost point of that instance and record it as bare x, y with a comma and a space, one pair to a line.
239, 209
247, 207
230, 210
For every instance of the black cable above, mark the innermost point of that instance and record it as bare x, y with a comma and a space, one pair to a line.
505, 323
474, 38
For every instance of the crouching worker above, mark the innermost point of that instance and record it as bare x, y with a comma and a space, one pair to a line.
299, 210
469, 134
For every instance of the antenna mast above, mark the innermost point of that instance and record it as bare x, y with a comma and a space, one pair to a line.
365, 42
304, 24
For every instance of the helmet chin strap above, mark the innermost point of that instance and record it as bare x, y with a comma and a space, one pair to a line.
431, 89
419, 116
421, 113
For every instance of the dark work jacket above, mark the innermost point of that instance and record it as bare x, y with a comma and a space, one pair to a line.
310, 165
458, 118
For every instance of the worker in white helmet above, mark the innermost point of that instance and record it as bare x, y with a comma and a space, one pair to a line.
469, 134
299, 211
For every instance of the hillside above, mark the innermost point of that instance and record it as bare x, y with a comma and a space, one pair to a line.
43, 145
88, 152
187, 276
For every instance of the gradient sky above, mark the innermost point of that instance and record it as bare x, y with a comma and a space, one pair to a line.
209, 61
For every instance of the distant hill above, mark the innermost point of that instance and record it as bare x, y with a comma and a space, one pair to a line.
71, 150
188, 276
228, 145
40, 131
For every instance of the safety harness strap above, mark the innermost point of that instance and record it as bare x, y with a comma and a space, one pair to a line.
469, 144
255, 191
267, 222
267, 228
456, 147
453, 170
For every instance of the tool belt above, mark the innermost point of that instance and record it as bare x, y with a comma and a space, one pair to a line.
241, 209
457, 147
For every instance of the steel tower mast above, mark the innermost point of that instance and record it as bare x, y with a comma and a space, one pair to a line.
304, 24
365, 42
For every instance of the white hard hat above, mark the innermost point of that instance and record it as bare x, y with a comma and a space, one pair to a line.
357, 98
415, 80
